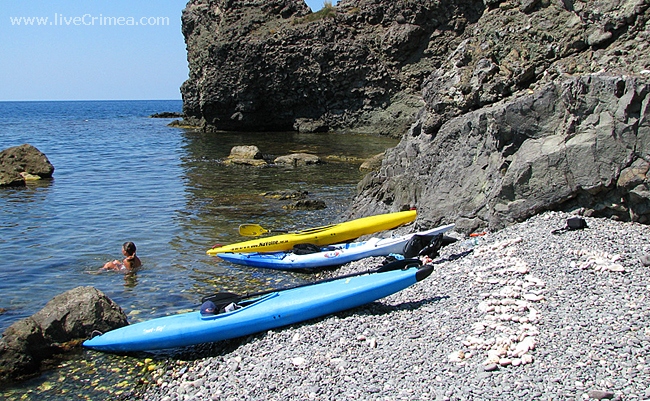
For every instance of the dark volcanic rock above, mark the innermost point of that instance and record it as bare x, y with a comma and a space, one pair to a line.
286, 194
272, 65
536, 108
306, 204
19, 162
167, 114
583, 143
66, 319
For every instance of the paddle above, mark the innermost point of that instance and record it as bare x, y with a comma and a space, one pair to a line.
254, 230
227, 297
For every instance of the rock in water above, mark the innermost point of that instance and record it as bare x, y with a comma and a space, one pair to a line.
64, 321
23, 162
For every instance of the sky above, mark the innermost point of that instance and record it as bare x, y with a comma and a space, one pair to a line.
93, 49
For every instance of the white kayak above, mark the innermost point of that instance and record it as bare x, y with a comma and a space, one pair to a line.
332, 255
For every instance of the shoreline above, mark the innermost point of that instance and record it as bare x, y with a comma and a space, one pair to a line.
526, 314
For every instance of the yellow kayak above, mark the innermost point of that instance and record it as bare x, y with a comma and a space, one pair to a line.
325, 235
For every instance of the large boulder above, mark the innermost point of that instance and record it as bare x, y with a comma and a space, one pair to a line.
24, 162
64, 321
579, 144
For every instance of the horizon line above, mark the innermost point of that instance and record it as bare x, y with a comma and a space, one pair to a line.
87, 100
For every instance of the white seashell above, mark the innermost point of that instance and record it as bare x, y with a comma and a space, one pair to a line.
298, 361
483, 306
533, 297
456, 356
615, 267
493, 356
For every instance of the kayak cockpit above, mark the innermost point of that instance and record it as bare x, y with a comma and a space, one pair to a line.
226, 304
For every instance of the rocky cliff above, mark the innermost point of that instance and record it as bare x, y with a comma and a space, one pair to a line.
274, 65
522, 105
541, 106
580, 144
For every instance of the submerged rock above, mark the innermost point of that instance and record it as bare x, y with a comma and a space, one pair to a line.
286, 194
306, 204
298, 159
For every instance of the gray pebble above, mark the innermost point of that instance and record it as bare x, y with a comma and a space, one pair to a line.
491, 367
645, 260
601, 395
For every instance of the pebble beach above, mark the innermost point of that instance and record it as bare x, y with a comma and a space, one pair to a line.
518, 314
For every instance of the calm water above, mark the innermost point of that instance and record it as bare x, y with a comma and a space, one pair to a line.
123, 176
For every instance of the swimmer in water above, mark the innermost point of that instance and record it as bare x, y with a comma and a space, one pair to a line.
130, 262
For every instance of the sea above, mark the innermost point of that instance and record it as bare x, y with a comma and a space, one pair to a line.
121, 175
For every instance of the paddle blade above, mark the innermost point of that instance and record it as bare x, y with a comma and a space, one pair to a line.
252, 230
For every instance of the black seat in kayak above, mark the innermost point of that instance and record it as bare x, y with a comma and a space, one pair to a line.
216, 303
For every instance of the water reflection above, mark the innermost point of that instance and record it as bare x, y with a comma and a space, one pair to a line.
130, 279
220, 197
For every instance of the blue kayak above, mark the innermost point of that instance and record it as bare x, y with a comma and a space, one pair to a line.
262, 312
332, 255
